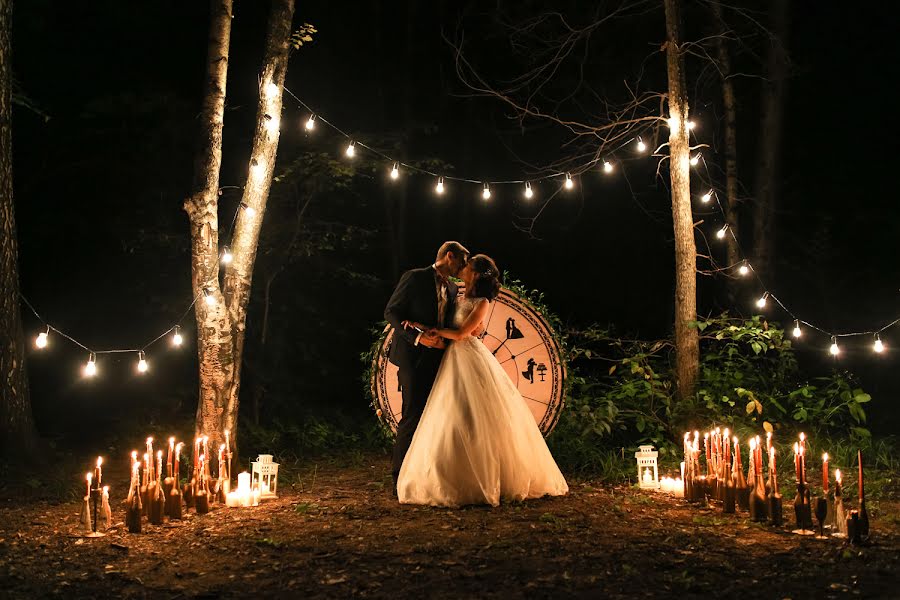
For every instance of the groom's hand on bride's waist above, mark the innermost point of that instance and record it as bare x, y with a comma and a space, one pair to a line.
432, 341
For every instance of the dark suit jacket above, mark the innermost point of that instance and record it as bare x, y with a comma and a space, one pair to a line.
415, 299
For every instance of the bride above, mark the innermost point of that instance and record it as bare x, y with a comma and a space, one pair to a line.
477, 442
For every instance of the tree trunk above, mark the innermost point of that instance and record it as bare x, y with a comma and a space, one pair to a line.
687, 345
767, 174
731, 203
222, 338
16, 423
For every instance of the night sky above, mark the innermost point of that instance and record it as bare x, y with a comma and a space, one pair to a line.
103, 161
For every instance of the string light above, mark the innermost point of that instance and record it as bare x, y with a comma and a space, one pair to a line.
641, 146
706, 197
834, 346
691, 125
395, 171
695, 159
351, 150
607, 167
142, 363
226, 256
797, 331
90, 369
439, 188
721, 233
486, 192
744, 269
177, 340
209, 297
528, 191
761, 303
311, 123
569, 183
41, 341
878, 346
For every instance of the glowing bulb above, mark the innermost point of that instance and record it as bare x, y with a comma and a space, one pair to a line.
311, 123
641, 146
744, 269
90, 369
762, 300
879, 346
721, 233
486, 192
695, 160
41, 340
706, 197
227, 256
834, 346
528, 191
569, 183
271, 89
439, 188
395, 171
177, 340
607, 167
209, 297
797, 331
691, 125
351, 150
142, 363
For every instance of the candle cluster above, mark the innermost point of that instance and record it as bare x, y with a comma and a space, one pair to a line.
96, 493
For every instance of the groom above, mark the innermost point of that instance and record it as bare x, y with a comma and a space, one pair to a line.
428, 297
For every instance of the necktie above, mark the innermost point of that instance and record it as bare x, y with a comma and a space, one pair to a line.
441, 287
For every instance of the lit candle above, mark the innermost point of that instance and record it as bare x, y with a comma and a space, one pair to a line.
159, 464
737, 455
837, 482
133, 458
169, 457
99, 471
797, 461
89, 477
146, 469
803, 457
861, 494
825, 473
221, 460
177, 459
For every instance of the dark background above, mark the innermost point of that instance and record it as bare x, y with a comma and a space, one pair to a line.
103, 161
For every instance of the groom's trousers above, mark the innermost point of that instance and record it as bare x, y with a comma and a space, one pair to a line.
416, 381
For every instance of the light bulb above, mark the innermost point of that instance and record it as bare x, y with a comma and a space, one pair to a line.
641, 146
177, 340
351, 150
90, 369
41, 340
706, 197
271, 89
439, 188
569, 183
691, 125
607, 167
834, 347
797, 331
209, 297
761, 303
721, 233
311, 123
744, 269
142, 363
879, 346
395, 171
695, 159
227, 256
528, 191
486, 192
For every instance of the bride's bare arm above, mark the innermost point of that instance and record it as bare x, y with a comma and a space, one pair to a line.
472, 322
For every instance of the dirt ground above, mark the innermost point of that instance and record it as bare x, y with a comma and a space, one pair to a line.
336, 532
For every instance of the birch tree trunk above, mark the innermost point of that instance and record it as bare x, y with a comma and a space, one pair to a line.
687, 344
221, 323
16, 423
731, 204
767, 174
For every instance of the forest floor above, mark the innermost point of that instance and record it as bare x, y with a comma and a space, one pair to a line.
336, 532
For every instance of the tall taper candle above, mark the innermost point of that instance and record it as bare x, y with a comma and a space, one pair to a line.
825, 473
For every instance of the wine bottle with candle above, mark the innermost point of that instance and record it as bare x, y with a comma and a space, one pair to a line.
840, 519
133, 508
758, 505
85, 519
776, 512
173, 501
863, 513
201, 496
145, 483
802, 508
729, 497
106, 510
741, 490
156, 494
169, 481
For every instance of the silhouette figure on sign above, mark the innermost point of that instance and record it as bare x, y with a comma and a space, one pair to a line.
529, 372
513, 332
542, 369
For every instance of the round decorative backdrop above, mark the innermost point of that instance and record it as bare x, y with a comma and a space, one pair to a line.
523, 343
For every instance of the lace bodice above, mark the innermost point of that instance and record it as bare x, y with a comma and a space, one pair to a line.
464, 307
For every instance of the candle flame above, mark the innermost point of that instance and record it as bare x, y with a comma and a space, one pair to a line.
753, 443
757, 440
705, 436
99, 461
718, 430
134, 454
105, 489
179, 446
146, 457
735, 439
687, 435
837, 475
205, 438
796, 448
696, 434
90, 476
825, 457
159, 454
149, 440
802, 436
221, 447
726, 433
768, 435
227, 431
171, 440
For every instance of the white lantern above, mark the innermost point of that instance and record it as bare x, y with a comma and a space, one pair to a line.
265, 476
648, 471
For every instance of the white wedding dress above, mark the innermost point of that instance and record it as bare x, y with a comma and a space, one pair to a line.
477, 441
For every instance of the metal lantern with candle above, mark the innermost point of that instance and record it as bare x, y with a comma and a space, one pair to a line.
647, 468
265, 475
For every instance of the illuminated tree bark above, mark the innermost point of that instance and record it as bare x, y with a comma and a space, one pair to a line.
687, 344
16, 423
221, 322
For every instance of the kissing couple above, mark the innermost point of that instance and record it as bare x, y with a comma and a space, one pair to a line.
465, 434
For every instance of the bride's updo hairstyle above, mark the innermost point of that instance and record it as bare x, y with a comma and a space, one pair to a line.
487, 281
